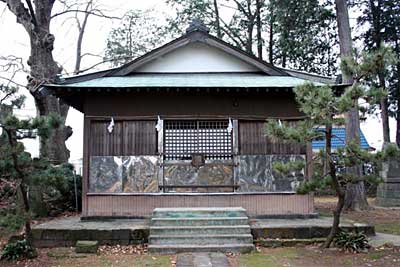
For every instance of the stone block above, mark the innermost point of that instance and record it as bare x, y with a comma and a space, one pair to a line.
388, 195
86, 246
141, 235
102, 235
391, 169
121, 234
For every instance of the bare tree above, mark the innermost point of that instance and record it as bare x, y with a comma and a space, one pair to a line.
36, 18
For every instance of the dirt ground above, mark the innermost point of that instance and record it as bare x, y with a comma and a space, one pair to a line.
385, 220
309, 256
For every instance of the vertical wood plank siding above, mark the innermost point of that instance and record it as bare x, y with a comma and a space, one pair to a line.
140, 138
127, 138
255, 204
253, 141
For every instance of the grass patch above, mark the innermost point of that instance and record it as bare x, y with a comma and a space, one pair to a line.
275, 257
256, 259
388, 228
376, 255
119, 260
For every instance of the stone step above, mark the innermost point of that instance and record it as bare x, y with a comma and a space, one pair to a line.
198, 212
200, 230
200, 240
200, 221
173, 249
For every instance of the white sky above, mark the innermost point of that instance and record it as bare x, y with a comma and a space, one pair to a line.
15, 42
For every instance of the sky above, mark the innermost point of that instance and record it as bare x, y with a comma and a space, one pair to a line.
65, 31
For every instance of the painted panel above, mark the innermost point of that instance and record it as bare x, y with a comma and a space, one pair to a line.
209, 174
255, 173
123, 174
196, 57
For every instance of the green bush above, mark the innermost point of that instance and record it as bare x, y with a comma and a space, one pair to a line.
355, 242
17, 250
11, 222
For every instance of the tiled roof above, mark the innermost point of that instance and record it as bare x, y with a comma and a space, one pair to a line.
339, 140
190, 80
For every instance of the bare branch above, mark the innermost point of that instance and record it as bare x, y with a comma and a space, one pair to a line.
94, 12
12, 81
81, 28
102, 62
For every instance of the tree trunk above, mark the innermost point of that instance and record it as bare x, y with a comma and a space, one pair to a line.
43, 69
376, 14
217, 24
385, 119
259, 30
356, 197
398, 121
336, 185
271, 38
353, 197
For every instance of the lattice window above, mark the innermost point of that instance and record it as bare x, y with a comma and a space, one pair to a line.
184, 138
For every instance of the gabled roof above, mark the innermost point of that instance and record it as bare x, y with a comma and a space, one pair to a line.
339, 140
257, 73
197, 33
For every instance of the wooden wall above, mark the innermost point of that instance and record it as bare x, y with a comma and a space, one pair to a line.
262, 204
253, 141
128, 138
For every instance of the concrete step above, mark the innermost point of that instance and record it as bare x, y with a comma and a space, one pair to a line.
172, 249
200, 221
201, 239
198, 212
200, 230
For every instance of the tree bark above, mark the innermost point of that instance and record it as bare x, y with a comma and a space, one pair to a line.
271, 38
398, 122
336, 185
217, 24
352, 117
43, 69
259, 4
376, 11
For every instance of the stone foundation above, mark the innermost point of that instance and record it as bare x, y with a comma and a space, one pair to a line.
388, 194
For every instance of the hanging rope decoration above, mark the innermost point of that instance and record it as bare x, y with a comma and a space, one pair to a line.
159, 124
110, 127
230, 126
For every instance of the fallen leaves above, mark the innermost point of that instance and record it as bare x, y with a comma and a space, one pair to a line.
126, 250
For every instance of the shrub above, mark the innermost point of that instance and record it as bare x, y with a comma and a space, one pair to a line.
17, 250
11, 222
355, 242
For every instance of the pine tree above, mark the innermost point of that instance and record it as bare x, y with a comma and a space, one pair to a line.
15, 163
324, 107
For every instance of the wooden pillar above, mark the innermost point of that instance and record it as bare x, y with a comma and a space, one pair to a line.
160, 149
235, 144
86, 160
309, 161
